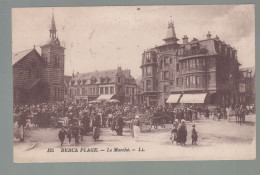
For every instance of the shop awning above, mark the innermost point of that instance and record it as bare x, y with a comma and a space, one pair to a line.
173, 98
193, 98
81, 97
105, 97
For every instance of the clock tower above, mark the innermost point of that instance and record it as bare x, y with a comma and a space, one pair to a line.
53, 56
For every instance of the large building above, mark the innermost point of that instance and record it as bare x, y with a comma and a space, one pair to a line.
103, 85
196, 71
39, 78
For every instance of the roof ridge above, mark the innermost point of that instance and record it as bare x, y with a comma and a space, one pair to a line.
22, 51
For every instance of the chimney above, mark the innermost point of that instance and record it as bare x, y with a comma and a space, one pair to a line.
185, 39
208, 35
73, 73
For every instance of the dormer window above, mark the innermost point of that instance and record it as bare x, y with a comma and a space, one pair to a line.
79, 81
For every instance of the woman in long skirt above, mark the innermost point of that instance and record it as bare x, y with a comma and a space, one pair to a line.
136, 127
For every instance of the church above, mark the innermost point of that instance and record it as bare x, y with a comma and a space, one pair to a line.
39, 78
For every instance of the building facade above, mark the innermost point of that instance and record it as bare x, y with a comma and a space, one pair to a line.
39, 78
247, 85
109, 84
208, 67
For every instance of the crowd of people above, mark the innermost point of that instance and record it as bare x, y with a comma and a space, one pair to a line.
77, 120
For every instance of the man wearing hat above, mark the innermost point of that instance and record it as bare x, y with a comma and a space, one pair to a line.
194, 135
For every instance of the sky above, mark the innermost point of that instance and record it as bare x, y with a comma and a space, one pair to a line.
101, 38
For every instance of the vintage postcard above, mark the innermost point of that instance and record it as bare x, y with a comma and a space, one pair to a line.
133, 83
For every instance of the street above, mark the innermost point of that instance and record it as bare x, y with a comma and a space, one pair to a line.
216, 140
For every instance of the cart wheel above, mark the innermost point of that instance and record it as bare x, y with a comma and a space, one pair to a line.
148, 126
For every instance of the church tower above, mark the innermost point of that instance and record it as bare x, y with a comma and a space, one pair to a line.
53, 56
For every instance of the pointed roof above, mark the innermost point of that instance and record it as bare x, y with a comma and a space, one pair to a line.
53, 26
170, 32
19, 55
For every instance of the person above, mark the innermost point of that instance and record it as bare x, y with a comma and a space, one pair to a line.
69, 133
119, 125
194, 135
21, 125
182, 133
61, 135
207, 113
174, 131
81, 131
75, 133
96, 127
113, 125
136, 127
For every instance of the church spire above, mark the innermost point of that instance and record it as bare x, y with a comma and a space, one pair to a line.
53, 28
171, 35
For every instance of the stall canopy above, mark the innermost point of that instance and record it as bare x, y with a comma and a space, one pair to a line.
173, 98
193, 98
105, 97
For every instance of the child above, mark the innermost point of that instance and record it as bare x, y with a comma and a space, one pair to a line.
62, 134
194, 135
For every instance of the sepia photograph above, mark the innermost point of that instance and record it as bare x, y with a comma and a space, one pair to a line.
133, 83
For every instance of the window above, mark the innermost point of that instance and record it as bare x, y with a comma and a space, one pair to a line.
192, 63
187, 82
127, 90
166, 75
45, 60
179, 82
177, 67
148, 85
83, 91
191, 80
111, 90
133, 91
161, 64
166, 61
101, 90
119, 80
106, 90
148, 57
166, 88
78, 91
56, 61
149, 70
200, 81
170, 60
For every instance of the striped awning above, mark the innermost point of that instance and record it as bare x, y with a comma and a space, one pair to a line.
193, 98
173, 98
105, 97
